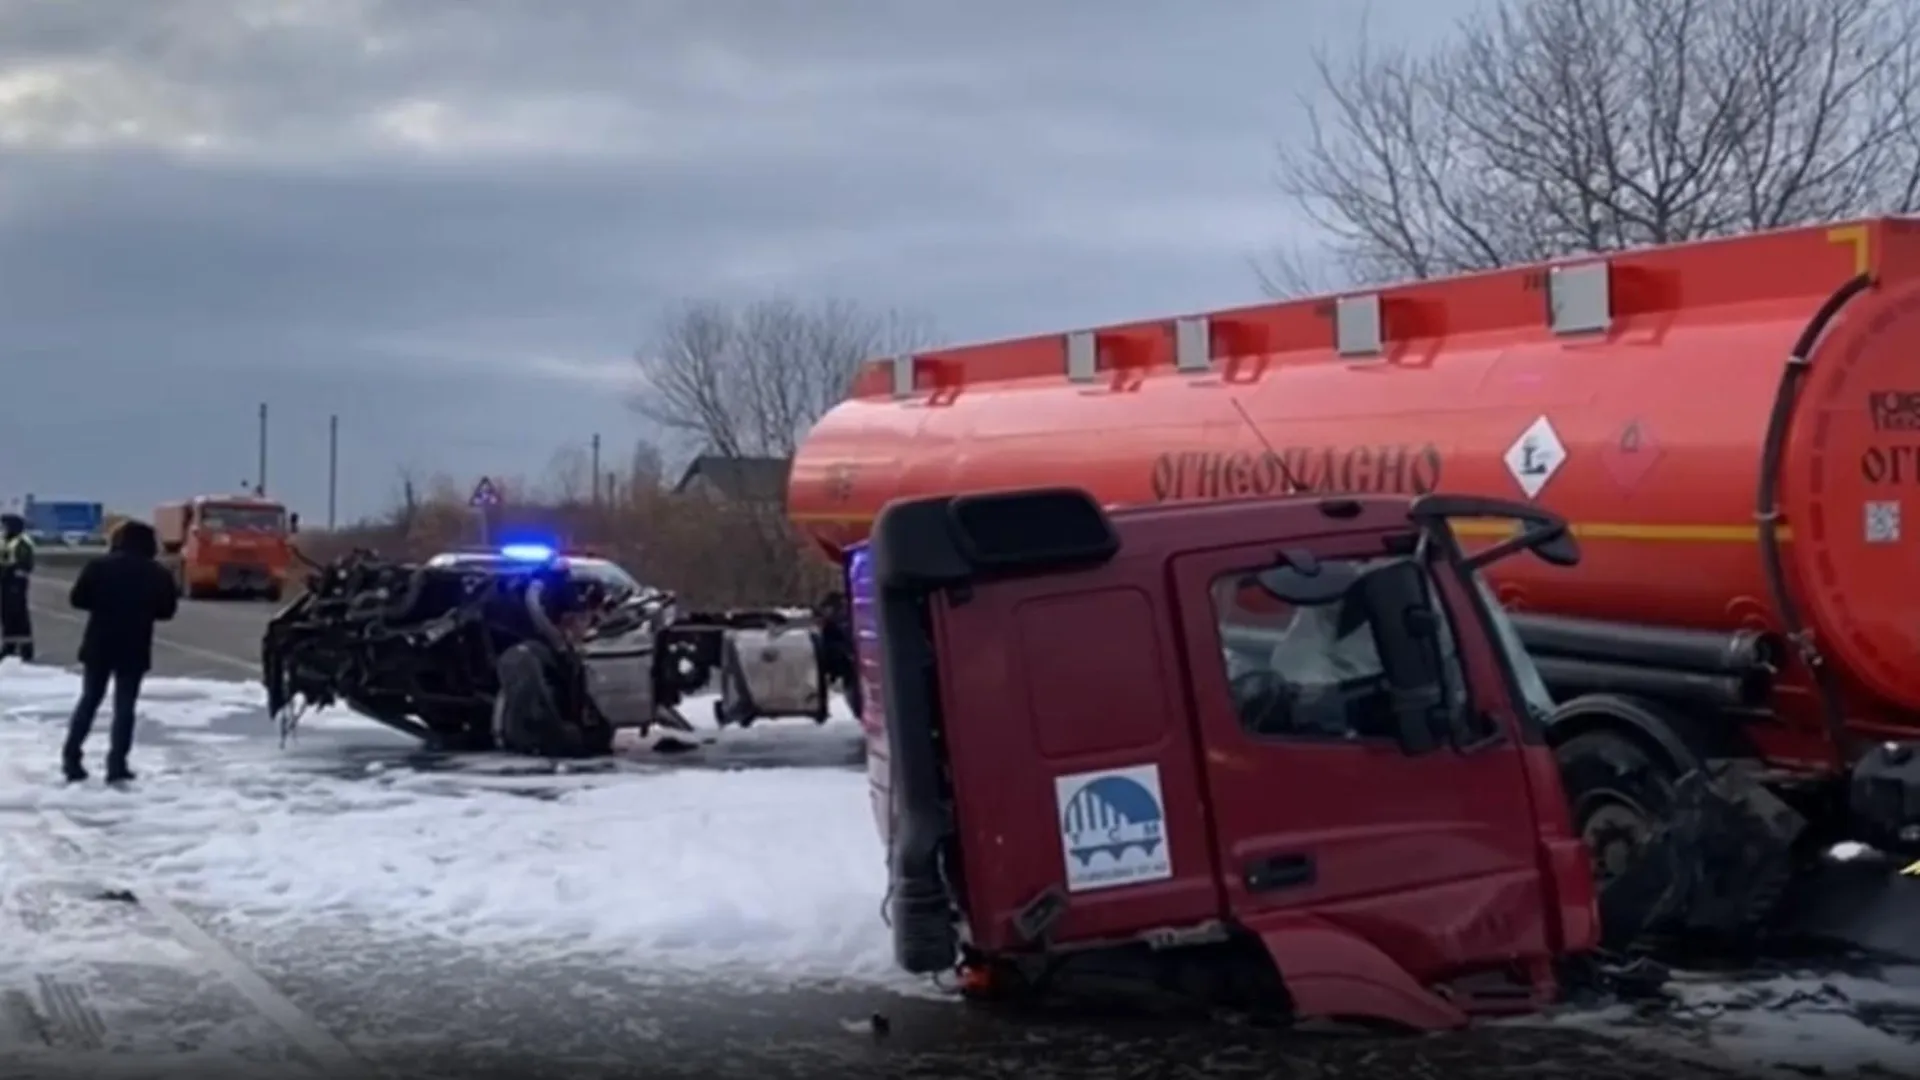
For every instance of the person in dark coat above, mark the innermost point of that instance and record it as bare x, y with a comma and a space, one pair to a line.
124, 592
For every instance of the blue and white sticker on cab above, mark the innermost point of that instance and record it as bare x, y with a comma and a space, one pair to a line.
1113, 828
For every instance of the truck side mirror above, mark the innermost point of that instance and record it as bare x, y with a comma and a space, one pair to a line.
1406, 634
293, 523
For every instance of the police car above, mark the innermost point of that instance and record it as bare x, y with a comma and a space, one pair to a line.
610, 577
618, 660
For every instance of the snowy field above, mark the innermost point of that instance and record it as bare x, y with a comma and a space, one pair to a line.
749, 866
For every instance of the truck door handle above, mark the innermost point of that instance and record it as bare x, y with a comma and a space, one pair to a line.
1279, 872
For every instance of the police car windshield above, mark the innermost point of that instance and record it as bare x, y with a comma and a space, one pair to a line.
604, 574
608, 576
243, 518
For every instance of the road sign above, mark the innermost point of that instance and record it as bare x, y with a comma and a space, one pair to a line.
485, 494
64, 517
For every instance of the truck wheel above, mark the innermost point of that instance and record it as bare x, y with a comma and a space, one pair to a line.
1620, 797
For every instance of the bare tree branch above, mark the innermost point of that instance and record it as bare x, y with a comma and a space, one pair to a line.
570, 478
751, 381
1549, 127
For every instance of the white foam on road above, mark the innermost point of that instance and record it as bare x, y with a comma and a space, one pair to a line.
1827, 1023
38, 692
176, 707
762, 877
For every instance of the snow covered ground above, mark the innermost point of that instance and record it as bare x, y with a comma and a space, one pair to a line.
756, 876
759, 879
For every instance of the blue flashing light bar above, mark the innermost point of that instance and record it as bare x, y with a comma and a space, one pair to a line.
531, 553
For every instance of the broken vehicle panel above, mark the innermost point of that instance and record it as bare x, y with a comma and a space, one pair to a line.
440, 652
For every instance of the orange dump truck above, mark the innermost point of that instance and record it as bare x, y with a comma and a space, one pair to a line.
224, 545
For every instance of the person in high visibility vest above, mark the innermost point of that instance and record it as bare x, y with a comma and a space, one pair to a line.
16, 569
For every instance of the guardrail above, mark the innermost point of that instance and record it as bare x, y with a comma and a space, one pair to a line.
64, 557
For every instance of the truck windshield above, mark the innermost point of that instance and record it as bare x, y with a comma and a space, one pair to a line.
1532, 687
243, 518
1312, 671
1325, 660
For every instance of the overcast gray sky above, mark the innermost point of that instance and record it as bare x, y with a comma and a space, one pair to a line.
451, 221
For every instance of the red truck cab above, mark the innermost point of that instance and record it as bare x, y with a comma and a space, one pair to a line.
1293, 729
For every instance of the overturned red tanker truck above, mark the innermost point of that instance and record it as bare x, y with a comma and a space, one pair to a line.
1731, 427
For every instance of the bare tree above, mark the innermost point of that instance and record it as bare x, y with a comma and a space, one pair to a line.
1548, 127
570, 477
751, 381
648, 467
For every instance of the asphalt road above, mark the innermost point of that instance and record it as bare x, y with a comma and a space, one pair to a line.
471, 1018
208, 639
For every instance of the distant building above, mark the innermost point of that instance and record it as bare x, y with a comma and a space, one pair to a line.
761, 480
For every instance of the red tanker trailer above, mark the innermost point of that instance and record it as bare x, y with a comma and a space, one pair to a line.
1732, 426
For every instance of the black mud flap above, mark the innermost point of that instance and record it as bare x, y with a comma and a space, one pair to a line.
1865, 906
1716, 872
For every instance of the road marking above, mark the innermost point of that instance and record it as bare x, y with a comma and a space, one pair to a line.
230, 610
182, 647
326, 1048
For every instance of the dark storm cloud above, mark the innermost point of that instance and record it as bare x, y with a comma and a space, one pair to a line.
449, 220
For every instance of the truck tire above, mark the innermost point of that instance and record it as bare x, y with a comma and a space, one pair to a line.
1620, 796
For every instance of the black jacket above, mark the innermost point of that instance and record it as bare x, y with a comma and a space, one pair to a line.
124, 592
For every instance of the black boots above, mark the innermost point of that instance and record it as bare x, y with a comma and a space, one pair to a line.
76, 773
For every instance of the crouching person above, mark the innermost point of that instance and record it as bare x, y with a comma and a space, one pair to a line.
123, 593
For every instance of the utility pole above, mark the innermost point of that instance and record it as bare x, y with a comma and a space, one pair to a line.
260, 476
596, 468
333, 468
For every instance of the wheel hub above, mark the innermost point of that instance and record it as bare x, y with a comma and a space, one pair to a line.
1614, 833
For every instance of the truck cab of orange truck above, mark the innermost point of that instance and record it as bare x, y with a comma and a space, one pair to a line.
224, 545
1285, 748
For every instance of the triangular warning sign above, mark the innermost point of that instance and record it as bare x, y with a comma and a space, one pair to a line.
484, 493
